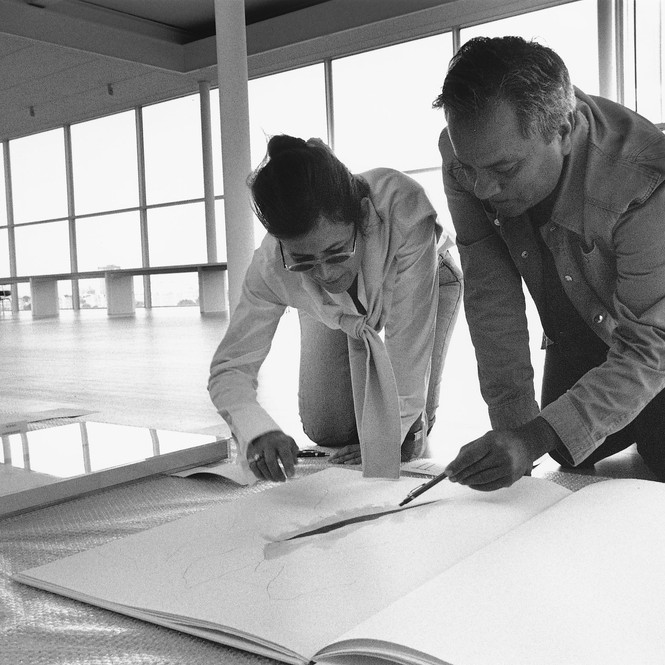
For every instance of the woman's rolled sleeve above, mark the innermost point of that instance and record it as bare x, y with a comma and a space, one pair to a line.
235, 365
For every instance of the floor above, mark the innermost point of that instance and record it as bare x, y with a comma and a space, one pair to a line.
152, 370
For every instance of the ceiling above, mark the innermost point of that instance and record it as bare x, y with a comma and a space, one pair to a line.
195, 18
64, 61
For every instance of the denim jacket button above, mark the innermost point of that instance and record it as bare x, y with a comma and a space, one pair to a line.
568, 278
497, 222
524, 254
599, 318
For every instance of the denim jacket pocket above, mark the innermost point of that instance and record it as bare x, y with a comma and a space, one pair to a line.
599, 270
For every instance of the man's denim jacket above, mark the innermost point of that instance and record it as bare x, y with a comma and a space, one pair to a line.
607, 236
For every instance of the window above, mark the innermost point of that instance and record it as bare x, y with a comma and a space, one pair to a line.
649, 71
109, 240
433, 185
292, 102
39, 184
42, 248
216, 137
220, 220
4, 254
383, 105
570, 29
173, 152
105, 164
4, 233
3, 200
177, 235
175, 290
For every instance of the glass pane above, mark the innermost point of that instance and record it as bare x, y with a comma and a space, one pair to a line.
3, 200
173, 151
221, 230
109, 241
176, 235
222, 252
433, 185
39, 184
105, 164
92, 293
383, 105
4, 253
42, 248
179, 290
24, 300
216, 131
139, 293
259, 232
65, 294
649, 69
291, 102
570, 29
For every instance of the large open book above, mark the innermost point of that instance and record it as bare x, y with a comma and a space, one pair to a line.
328, 568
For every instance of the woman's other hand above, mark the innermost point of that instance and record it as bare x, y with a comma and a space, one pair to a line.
272, 455
347, 455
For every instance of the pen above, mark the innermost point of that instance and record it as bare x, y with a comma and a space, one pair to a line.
309, 452
417, 491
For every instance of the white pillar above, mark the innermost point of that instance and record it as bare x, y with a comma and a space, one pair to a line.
208, 176
11, 239
71, 214
607, 50
236, 161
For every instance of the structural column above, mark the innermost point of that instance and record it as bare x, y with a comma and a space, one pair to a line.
143, 212
208, 175
71, 215
236, 161
609, 49
11, 238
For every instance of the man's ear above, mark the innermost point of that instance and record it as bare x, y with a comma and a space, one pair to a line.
566, 133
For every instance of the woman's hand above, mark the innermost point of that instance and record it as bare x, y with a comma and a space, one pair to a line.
266, 452
347, 455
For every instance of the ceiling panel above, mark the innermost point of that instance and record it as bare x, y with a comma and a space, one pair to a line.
35, 63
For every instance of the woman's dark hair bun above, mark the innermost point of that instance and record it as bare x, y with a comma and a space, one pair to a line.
301, 181
283, 143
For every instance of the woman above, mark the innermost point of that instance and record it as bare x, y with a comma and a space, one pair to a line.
357, 256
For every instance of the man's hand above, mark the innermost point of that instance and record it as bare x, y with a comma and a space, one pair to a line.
265, 453
500, 457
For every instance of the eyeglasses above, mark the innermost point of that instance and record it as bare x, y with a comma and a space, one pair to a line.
331, 259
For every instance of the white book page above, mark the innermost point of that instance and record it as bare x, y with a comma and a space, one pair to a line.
240, 567
583, 582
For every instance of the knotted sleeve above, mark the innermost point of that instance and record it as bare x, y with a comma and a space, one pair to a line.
375, 399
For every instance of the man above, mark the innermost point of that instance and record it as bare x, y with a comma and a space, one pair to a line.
565, 192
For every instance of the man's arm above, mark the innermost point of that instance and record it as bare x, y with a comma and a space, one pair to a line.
611, 395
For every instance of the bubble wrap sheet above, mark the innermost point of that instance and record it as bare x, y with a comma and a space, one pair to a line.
39, 628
